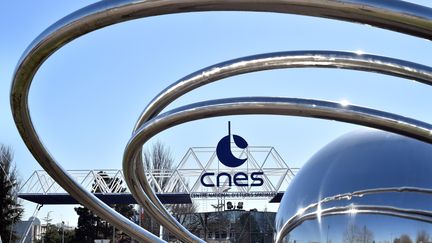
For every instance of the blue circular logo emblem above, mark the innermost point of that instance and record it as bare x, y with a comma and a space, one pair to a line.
223, 149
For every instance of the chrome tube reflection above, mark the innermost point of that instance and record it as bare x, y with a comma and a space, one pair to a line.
366, 168
303, 215
419, 215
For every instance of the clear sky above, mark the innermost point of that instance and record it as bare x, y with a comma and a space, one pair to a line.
86, 98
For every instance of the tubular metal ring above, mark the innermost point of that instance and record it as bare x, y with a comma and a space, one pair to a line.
269, 105
295, 59
411, 19
265, 105
289, 59
419, 215
297, 219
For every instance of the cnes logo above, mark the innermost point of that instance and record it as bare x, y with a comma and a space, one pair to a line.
227, 158
223, 149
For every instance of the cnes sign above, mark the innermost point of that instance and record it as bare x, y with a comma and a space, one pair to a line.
227, 158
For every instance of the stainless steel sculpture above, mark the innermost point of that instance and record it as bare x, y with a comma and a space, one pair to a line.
393, 15
333, 183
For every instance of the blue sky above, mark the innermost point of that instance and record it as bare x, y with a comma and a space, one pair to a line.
86, 98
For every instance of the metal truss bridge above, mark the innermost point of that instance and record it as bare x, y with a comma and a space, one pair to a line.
176, 186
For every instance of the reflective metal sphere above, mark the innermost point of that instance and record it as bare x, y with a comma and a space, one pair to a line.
366, 186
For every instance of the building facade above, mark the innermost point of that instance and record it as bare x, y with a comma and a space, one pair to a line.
230, 226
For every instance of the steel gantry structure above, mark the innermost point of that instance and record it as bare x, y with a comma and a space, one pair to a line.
182, 183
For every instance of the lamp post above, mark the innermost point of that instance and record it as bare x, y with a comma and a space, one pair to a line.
62, 231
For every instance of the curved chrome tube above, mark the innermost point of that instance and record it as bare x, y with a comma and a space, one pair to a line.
294, 59
267, 105
411, 19
301, 216
419, 215
275, 106
279, 60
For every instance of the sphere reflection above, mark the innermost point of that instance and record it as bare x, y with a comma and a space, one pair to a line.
390, 176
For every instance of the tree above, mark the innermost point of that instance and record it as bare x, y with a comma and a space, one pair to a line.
159, 159
86, 230
182, 209
69, 236
11, 210
403, 239
90, 226
355, 234
53, 234
423, 237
